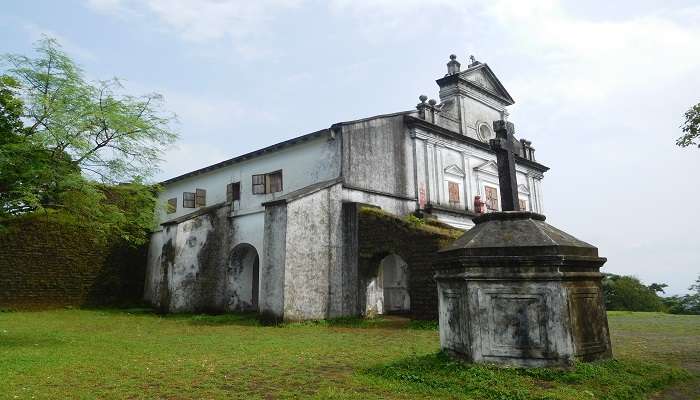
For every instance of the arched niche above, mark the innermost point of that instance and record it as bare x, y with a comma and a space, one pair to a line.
243, 278
387, 291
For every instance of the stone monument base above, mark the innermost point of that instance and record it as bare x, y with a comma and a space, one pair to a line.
515, 290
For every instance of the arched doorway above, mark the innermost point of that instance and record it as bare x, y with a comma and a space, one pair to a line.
387, 292
243, 278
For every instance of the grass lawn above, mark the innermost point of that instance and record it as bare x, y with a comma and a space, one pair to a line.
117, 354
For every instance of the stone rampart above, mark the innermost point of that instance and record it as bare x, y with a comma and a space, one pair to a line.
45, 263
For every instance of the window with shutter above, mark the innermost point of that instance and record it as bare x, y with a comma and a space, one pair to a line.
522, 204
453, 189
237, 191
491, 198
274, 182
259, 184
188, 200
201, 198
233, 192
172, 205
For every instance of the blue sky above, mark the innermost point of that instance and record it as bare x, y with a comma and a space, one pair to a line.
600, 90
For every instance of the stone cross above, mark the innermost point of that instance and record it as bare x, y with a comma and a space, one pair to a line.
503, 146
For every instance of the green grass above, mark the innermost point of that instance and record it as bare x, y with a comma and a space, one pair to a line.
133, 354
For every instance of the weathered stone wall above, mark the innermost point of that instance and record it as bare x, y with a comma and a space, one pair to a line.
208, 262
50, 264
381, 234
313, 277
272, 271
378, 156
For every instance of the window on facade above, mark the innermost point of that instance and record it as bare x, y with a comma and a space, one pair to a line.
188, 200
233, 192
453, 189
491, 198
201, 198
267, 183
274, 182
259, 184
522, 204
172, 205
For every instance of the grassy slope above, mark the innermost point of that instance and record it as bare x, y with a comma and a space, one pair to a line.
112, 354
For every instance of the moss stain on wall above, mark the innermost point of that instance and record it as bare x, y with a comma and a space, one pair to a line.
46, 263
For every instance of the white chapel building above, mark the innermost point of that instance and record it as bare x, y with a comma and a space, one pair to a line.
267, 231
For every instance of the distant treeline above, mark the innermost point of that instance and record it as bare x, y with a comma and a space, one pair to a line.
627, 293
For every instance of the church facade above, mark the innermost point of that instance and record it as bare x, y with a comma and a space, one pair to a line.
269, 231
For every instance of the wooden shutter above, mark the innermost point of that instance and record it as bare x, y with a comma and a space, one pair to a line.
258, 184
453, 189
522, 204
233, 192
491, 198
274, 182
172, 205
188, 200
201, 198
236, 191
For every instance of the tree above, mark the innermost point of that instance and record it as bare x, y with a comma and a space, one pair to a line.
60, 135
30, 175
627, 293
105, 134
690, 128
10, 106
658, 287
695, 286
687, 304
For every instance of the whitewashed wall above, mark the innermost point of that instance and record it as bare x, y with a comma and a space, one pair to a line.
302, 164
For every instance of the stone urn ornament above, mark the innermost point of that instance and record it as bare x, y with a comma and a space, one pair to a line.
515, 290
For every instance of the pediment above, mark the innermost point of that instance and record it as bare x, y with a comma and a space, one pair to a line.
488, 167
479, 78
523, 189
454, 170
483, 77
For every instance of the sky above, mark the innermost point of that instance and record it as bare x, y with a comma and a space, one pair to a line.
600, 90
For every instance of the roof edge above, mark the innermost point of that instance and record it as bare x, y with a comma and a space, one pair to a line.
303, 192
246, 156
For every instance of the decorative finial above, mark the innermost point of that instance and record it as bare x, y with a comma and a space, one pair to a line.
422, 98
472, 59
453, 65
432, 102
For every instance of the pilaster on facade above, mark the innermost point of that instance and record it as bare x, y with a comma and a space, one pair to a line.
465, 181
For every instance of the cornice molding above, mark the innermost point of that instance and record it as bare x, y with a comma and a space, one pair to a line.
412, 122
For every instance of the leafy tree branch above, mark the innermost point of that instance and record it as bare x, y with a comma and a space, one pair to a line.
690, 128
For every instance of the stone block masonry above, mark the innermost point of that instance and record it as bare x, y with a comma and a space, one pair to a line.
417, 243
49, 264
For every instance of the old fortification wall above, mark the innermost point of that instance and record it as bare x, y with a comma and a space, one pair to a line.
50, 264
417, 243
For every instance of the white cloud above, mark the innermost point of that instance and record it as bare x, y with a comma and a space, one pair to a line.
381, 22
241, 22
584, 60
